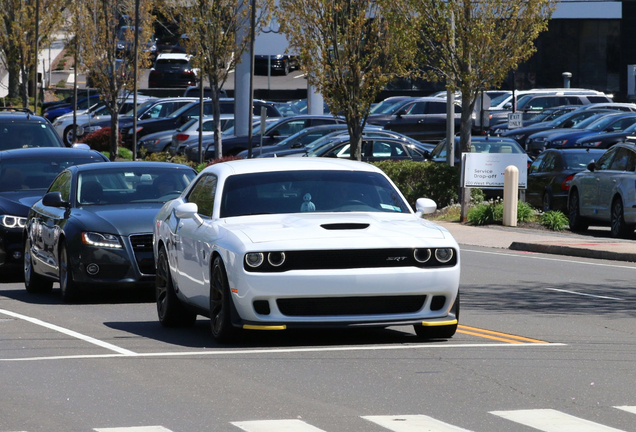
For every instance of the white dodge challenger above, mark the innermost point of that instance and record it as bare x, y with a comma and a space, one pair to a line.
285, 243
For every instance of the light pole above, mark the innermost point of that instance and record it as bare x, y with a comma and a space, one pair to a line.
251, 98
35, 63
135, 64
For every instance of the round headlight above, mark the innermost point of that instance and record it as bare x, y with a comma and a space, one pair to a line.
422, 255
276, 259
254, 259
443, 255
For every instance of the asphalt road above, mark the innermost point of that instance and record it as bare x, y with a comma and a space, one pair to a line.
545, 343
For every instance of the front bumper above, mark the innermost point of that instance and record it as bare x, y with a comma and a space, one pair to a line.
368, 296
11, 247
128, 266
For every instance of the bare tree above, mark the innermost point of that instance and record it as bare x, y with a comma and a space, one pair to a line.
212, 29
17, 38
109, 67
350, 50
473, 44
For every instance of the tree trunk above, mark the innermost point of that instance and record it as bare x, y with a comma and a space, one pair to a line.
14, 78
216, 113
468, 104
355, 143
114, 133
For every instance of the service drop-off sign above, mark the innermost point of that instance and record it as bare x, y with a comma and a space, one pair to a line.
486, 170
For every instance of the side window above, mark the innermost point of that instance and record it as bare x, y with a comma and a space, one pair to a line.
386, 149
166, 109
604, 161
208, 126
341, 151
203, 193
155, 111
548, 163
570, 100
319, 122
291, 127
623, 161
536, 164
417, 108
435, 108
62, 184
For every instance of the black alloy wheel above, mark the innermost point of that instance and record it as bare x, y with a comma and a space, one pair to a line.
439, 332
33, 282
619, 228
68, 287
170, 310
221, 305
577, 223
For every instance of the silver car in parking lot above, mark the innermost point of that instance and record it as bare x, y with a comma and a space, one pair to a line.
604, 194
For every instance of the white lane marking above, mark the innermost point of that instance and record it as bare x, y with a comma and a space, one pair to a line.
135, 429
276, 426
300, 76
584, 294
413, 423
548, 420
287, 351
630, 409
71, 333
525, 255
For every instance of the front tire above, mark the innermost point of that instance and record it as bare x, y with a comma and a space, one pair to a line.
33, 282
221, 305
439, 332
170, 310
577, 223
68, 287
619, 227
69, 135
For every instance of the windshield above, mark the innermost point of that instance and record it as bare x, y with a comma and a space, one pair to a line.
141, 108
124, 186
27, 134
601, 123
309, 191
500, 99
579, 160
36, 174
588, 121
386, 107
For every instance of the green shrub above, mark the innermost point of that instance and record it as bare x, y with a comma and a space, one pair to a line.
439, 182
554, 220
492, 212
477, 196
157, 157
525, 212
100, 140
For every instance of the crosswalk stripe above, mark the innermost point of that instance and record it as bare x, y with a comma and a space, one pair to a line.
548, 420
413, 423
276, 426
631, 409
135, 429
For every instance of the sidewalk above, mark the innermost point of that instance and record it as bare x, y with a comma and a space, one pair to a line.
595, 244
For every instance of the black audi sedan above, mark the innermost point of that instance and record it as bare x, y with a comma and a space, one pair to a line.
25, 175
93, 227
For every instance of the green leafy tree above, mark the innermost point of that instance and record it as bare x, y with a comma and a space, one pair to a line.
17, 38
350, 50
472, 45
96, 26
213, 30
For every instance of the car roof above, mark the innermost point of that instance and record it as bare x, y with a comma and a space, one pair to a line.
130, 165
248, 166
45, 152
21, 114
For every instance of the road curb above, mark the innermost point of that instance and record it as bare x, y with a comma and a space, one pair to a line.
573, 251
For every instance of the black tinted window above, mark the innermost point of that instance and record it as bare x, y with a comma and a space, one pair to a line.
203, 193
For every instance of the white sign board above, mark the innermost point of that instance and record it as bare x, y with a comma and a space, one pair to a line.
486, 170
515, 120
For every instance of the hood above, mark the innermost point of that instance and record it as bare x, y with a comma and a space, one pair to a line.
571, 136
377, 229
19, 202
123, 219
550, 132
603, 136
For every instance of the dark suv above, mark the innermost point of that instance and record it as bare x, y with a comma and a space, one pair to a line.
20, 128
172, 70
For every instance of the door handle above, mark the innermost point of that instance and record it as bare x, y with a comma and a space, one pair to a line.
421, 121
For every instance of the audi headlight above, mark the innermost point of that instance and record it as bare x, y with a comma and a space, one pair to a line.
558, 142
101, 240
10, 221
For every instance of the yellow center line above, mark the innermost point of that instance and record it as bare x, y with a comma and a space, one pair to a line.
489, 337
520, 338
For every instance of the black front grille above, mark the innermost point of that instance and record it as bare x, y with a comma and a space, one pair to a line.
142, 247
349, 259
334, 306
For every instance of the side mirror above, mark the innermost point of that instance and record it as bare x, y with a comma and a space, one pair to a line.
81, 146
188, 211
508, 106
145, 117
591, 166
400, 113
274, 133
184, 119
297, 145
425, 206
54, 199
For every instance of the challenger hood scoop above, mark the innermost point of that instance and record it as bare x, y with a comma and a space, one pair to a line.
345, 226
